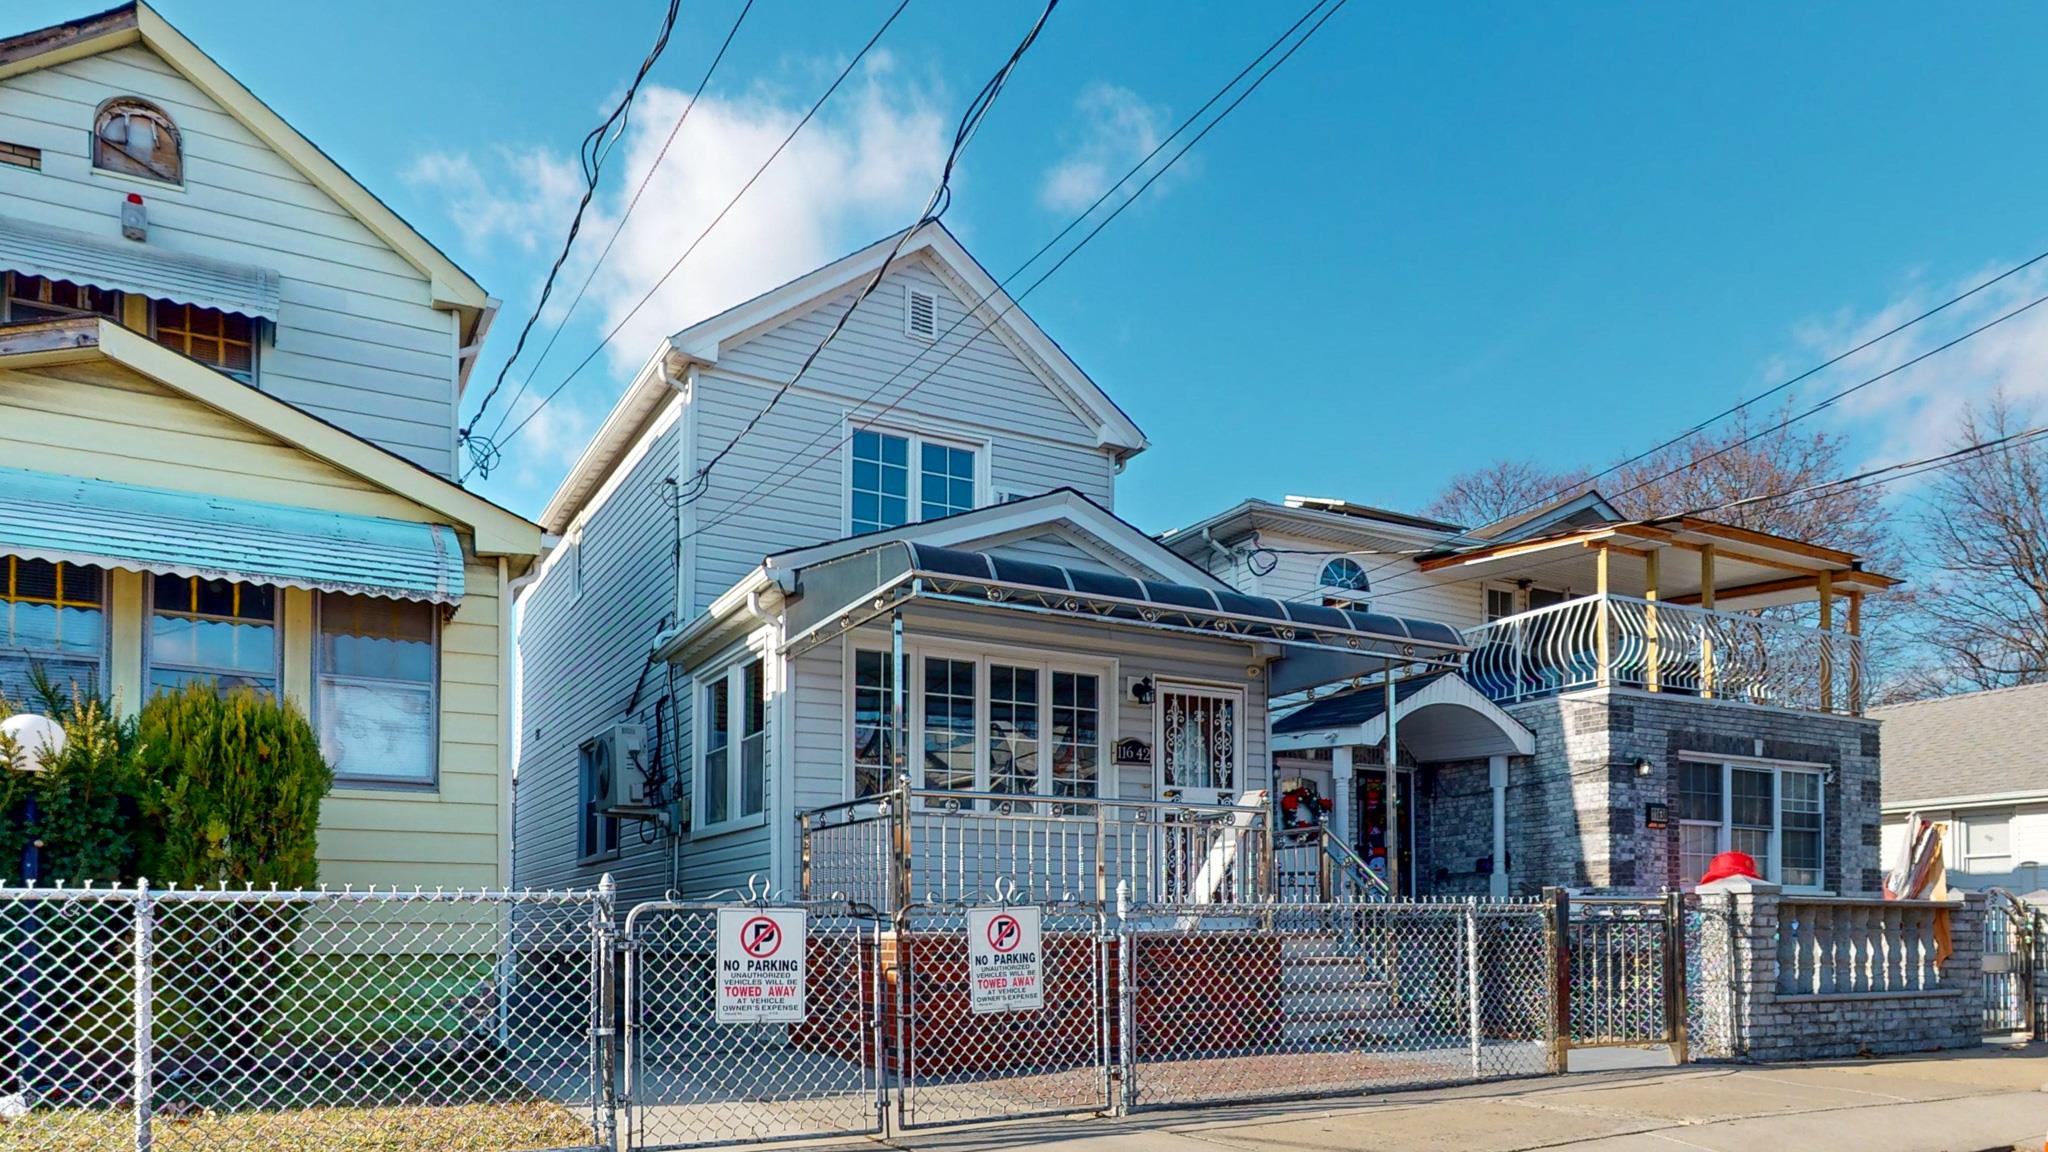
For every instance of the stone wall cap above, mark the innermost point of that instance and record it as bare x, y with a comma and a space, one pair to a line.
1747, 884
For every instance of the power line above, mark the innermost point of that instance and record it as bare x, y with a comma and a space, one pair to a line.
934, 208
609, 336
738, 502
645, 179
596, 148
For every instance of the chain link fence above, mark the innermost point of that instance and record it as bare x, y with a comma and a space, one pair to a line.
1256, 1002
1712, 980
220, 1021
692, 1081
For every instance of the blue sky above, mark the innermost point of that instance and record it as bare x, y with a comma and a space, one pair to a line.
1440, 235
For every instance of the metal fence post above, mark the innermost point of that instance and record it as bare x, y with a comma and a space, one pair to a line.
604, 1030
145, 932
1676, 1025
1472, 977
1126, 1003
1559, 933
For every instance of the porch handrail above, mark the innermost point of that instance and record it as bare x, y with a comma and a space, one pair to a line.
1625, 641
1348, 859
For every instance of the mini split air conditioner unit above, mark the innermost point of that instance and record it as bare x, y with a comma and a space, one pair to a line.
620, 765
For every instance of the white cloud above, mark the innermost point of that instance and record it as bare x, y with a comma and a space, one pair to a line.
1117, 130
1914, 412
859, 171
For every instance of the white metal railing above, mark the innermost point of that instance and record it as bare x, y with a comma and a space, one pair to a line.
935, 846
1834, 946
1620, 641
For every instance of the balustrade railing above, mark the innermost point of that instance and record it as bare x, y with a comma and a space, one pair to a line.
924, 845
1620, 641
1835, 946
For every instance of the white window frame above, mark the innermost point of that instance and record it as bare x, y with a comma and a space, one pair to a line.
432, 783
1772, 865
149, 660
1240, 781
99, 685
916, 439
1045, 661
1962, 822
733, 673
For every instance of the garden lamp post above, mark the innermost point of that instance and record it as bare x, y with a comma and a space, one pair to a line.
36, 740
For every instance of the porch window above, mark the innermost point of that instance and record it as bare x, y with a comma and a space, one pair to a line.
1775, 815
1004, 723
884, 487
732, 756
52, 617
38, 298
220, 631
375, 697
873, 722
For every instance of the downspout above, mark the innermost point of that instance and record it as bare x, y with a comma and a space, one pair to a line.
511, 672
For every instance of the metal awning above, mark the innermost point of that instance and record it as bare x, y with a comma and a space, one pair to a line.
1439, 716
144, 269
1333, 643
82, 521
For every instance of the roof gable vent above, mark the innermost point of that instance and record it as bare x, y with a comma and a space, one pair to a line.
921, 315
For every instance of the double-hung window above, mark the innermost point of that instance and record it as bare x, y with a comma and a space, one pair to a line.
897, 477
375, 659
732, 750
219, 631
1986, 840
1776, 815
1010, 723
52, 618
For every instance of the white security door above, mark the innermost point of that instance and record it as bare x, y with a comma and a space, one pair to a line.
1200, 743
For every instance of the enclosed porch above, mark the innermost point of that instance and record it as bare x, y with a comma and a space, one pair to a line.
1016, 729
1684, 606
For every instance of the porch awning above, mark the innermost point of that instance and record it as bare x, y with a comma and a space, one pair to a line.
1436, 716
83, 521
144, 269
838, 594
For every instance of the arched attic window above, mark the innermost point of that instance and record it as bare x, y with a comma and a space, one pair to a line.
137, 138
1344, 582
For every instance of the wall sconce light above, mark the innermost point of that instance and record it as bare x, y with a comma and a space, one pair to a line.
1644, 767
1141, 690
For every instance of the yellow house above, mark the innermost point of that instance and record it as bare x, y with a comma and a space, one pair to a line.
228, 383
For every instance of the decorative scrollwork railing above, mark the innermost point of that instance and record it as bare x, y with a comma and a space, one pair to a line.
1619, 641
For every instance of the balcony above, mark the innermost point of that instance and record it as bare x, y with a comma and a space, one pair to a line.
1613, 641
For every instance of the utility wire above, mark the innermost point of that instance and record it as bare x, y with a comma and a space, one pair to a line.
741, 501
609, 336
935, 207
646, 178
596, 148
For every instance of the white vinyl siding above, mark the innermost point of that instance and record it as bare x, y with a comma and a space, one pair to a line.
356, 341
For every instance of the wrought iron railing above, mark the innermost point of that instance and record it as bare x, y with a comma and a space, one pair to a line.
1620, 641
927, 846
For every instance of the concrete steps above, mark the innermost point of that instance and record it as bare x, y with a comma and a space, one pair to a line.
1330, 997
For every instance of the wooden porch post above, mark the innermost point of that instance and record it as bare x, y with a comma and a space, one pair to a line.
1651, 675
1603, 617
1856, 652
1707, 625
1825, 584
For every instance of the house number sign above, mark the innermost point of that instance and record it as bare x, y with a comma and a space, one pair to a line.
1133, 751
1656, 816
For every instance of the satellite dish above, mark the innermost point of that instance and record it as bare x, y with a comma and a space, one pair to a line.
39, 738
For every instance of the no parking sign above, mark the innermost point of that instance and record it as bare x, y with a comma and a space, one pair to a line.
761, 965
1005, 960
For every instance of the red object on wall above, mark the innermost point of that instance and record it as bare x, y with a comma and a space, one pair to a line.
1728, 864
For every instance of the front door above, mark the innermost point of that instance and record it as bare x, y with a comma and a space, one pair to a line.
1200, 742
1374, 821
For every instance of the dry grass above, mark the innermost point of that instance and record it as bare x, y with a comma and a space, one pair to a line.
457, 1128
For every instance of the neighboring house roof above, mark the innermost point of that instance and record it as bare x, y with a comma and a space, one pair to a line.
1572, 510
702, 343
1309, 518
1983, 745
138, 23
497, 532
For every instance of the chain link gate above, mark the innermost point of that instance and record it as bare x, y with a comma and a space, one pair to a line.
692, 1082
1622, 961
953, 1065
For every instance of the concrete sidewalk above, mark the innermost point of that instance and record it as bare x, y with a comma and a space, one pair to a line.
1990, 1098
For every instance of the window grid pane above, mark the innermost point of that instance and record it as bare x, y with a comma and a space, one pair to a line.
873, 722
1699, 791
712, 772
1012, 729
218, 631
1076, 734
949, 724
754, 742
946, 484
881, 481
50, 618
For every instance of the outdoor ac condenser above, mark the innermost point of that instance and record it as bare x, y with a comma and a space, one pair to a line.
621, 767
